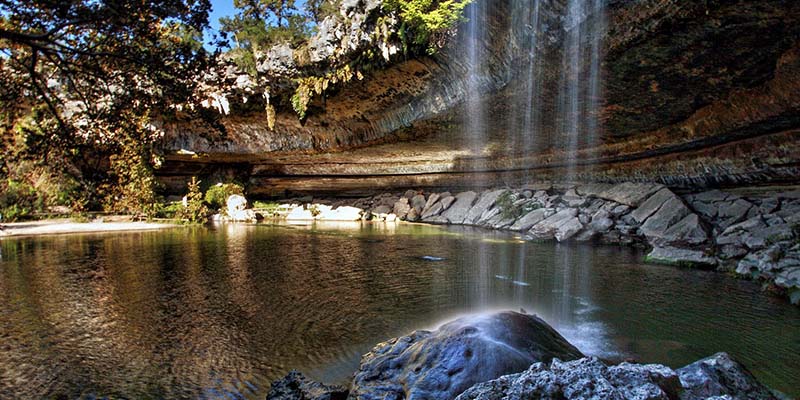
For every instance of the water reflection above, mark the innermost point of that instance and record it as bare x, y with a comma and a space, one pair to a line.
198, 312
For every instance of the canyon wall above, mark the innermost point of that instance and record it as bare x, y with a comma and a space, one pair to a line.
694, 94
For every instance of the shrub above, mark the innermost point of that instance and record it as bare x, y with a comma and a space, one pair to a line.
427, 22
18, 200
135, 188
195, 211
217, 195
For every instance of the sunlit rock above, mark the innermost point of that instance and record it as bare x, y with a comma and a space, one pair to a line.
458, 210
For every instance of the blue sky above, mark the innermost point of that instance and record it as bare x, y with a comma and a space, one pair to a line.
222, 8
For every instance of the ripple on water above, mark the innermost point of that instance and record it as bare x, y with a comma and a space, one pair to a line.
195, 312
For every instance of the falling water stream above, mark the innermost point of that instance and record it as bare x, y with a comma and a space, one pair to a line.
475, 112
196, 313
527, 107
580, 88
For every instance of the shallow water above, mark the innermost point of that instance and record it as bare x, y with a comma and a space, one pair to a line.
220, 312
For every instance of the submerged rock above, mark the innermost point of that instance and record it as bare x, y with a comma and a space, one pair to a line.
443, 363
295, 386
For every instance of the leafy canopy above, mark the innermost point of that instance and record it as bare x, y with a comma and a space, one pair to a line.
92, 71
428, 21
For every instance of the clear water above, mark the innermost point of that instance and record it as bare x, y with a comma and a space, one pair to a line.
219, 313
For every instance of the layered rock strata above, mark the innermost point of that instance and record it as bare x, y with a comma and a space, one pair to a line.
695, 94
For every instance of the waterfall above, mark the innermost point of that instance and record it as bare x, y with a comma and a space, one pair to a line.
526, 107
475, 121
580, 88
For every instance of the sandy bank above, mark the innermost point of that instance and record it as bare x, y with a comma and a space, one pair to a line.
62, 226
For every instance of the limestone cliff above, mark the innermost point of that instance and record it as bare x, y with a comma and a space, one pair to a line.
694, 94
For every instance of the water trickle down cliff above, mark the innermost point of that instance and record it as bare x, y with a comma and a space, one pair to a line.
691, 95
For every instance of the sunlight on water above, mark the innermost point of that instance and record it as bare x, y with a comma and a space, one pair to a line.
190, 312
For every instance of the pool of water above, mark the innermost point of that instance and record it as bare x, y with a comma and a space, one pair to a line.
220, 312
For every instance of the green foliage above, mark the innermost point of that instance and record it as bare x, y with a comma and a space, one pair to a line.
426, 23
78, 80
217, 195
170, 210
18, 200
135, 188
318, 10
300, 100
30, 184
316, 85
508, 209
195, 210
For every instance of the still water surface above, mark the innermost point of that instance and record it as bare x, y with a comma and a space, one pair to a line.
220, 312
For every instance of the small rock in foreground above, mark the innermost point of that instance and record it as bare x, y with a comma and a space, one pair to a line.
295, 386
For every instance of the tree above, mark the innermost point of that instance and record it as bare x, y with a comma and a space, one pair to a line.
318, 10
93, 72
260, 24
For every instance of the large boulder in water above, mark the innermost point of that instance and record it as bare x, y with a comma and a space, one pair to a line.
443, 363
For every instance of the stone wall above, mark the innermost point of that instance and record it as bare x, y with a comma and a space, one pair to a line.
756, 235
695, 94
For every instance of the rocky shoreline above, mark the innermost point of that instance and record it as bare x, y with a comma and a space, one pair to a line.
510, 355
754, 237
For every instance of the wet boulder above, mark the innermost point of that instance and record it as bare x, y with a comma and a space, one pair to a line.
483, 203
629, 193
443, 363
418, 203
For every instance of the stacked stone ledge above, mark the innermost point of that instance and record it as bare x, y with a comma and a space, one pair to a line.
756, 236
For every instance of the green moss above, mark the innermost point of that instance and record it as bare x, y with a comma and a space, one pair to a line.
675, 263
508, 210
